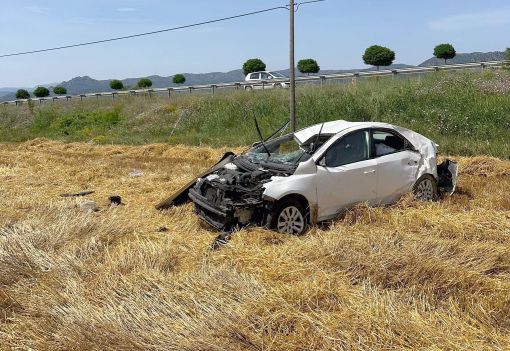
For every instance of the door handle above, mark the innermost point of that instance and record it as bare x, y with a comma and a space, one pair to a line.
369, 172
413, 162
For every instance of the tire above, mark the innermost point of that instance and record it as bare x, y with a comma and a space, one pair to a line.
289, 217
248, 88
278, 86
425, 188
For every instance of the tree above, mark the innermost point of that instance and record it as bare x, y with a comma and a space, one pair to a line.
378, 56
445, 51
507, 64
308, 66
116, 84
22, 94
253, 65
60, 90
144, 83
41, 92
179, 79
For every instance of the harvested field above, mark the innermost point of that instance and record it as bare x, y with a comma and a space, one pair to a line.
411, 276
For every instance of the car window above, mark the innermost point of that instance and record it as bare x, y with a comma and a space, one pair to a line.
385, 142
265, 76
349, 149
255, 76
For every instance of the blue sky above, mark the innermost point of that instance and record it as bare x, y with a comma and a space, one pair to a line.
335, 32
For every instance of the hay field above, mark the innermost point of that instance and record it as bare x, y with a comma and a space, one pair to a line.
417, 276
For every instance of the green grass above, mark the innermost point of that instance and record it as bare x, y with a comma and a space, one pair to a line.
466, 113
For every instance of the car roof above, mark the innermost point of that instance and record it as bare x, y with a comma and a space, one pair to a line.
335, 127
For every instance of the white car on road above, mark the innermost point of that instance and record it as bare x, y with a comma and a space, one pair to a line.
265, 80
316, 173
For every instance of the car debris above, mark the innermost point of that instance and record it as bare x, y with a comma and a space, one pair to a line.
83, 193
88, 206
115, 200
135, 173
290, 182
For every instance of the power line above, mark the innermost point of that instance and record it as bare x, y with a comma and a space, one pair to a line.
158, 31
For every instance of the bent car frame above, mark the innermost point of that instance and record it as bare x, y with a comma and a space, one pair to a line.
313, 175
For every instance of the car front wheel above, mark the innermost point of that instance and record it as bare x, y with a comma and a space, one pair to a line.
425, 188
289, 217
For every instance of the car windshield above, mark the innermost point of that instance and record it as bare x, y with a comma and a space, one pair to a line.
277, 75
283, 151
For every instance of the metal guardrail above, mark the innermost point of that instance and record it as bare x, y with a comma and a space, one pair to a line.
242, 85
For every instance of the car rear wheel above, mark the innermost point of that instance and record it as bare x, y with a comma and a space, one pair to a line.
289, 217
425, 188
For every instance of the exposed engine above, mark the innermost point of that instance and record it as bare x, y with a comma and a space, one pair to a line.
231, 196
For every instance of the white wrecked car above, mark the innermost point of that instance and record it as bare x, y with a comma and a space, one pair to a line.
314, 174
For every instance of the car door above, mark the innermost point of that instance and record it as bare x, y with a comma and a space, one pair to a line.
397, 165
346, 175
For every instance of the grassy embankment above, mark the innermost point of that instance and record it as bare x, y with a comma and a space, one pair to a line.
466, 113
413, 276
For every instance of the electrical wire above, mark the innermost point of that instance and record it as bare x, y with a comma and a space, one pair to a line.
160, 31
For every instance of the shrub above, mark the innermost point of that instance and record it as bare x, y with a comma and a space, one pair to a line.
179, 79
144, 83
116, 84
253, 65
308, 66
378, 56
41, 92
445, 52
22, 94
60, 90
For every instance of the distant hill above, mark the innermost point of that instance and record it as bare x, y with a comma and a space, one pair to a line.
468, 58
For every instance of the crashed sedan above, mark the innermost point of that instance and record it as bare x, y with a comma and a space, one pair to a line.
312, 175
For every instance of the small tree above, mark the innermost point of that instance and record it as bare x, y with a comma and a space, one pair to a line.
41, 92
378, 56
60, 90
116, 84
253, 65
179, 79
445, 52
144, 83
22, 94
308, 66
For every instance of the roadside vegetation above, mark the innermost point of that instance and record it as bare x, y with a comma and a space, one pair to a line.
465, 113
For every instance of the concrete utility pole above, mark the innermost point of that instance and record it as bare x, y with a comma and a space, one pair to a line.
292, 70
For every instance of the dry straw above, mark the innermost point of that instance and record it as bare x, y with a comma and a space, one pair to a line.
411, 276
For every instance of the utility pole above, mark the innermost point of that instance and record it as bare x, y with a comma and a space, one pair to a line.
292, 70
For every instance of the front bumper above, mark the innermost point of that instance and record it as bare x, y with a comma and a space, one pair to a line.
219, 217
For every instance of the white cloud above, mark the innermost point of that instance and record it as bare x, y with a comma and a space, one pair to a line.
484, 19
37, 9
125, 9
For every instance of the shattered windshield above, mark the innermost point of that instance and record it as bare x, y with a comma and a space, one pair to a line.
283, 151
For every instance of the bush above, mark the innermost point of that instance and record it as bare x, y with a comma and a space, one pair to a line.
60, 90
22, 94
116, 84
378, 56
308, 66
179, 79
41, 92
144, 83
253, 65
445, 52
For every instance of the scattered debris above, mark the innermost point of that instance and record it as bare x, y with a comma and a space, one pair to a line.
221, 240
162, 229
115, 200
136, 173
83, 193
88, 206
